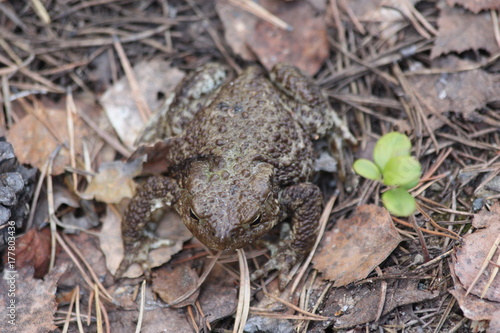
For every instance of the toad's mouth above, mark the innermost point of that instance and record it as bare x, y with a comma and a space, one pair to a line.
230, 239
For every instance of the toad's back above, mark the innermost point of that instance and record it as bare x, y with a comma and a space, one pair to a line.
248, 121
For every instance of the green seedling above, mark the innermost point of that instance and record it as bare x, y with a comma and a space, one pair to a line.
394, 167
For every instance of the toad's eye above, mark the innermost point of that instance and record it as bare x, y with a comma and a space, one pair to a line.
193, 215
255, 222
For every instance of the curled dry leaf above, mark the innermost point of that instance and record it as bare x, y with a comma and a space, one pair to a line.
114, 181
355, 246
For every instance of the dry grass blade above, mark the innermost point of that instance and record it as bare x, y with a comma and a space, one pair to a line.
98, 313
71, 250
244, 295
470, 143
445, 315
383, 295
141, 104
262, 13
494, 272
484, 265
51, 207
496, 25
487, 179
192, 318
70, 114
296, 308
431, 232
435, 225
141, 307
70, 311
77, 310
41, 11
111, 140
6, 102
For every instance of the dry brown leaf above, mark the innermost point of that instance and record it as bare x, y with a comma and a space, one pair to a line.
110, 239
156, 79
33, 250
219, 295
472, 306
460, 30
463, 92
359, 305
34, 142
306, 46
114, 181
88, 246
477, 5
170, 227
355, 246
156, 318
471, 255
238, 23
172, 283
159, 318
35, 302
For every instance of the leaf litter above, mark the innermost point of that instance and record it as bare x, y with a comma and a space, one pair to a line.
130, 56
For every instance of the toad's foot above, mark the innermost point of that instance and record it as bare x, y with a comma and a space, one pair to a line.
283, 262
137, 253
303, 202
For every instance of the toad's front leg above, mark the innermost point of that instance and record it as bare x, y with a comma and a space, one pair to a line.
303, 203
157, 192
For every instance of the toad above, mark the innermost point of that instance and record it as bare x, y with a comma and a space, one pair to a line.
239, 160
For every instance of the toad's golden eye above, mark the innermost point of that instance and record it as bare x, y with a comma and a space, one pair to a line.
193, 215
255, 222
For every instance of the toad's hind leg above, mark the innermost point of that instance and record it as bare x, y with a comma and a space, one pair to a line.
194, 92
304, 202
155, 193
309, 102
310, 105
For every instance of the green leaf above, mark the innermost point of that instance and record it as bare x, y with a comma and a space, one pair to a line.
391, 145
399, 202
411, 185
401, 171
368, 169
